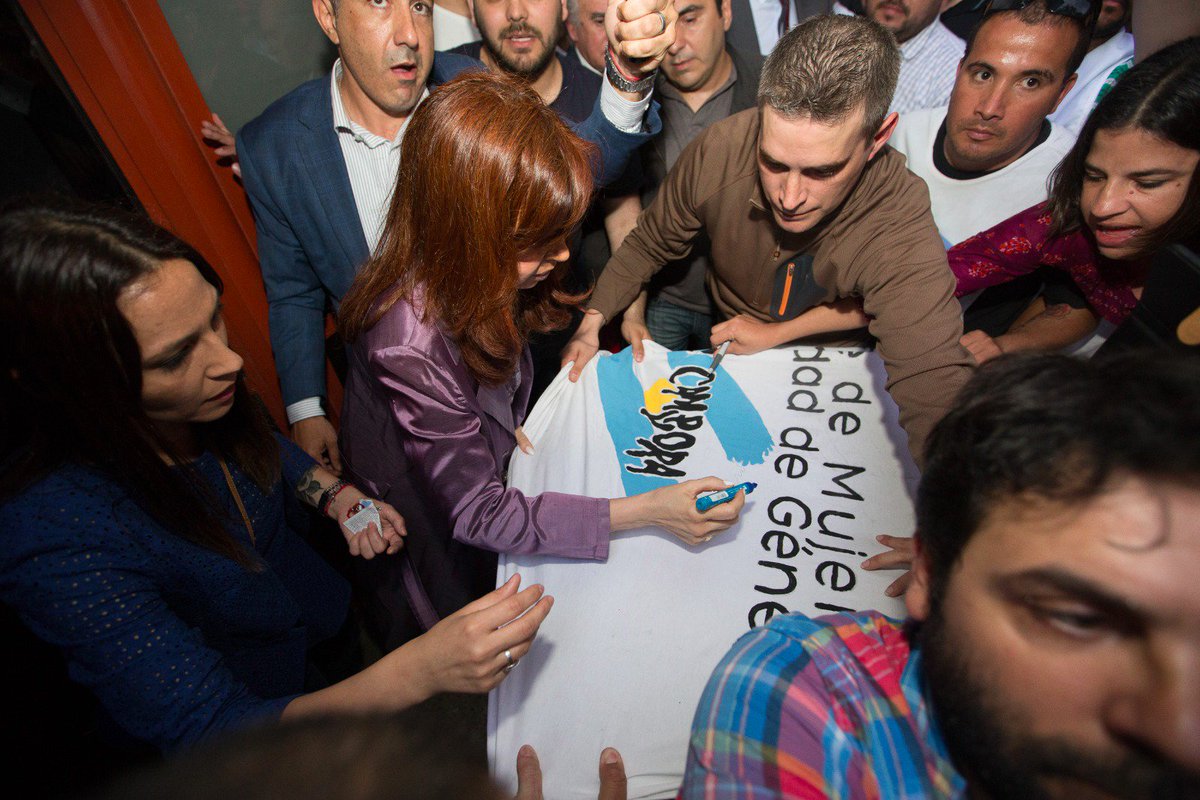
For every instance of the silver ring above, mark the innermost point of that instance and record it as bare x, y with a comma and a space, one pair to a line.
511, 665
663, 17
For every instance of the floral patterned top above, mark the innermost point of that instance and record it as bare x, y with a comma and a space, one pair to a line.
1022, 243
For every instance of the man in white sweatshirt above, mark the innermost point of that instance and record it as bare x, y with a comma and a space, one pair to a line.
988, 155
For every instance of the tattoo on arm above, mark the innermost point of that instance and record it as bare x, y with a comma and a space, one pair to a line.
1057, 310
309, 488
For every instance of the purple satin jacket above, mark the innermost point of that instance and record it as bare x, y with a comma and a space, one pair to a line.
419, 432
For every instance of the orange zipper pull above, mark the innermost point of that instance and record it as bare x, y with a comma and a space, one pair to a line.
787, 287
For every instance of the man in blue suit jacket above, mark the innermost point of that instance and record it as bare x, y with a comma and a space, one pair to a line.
320, 163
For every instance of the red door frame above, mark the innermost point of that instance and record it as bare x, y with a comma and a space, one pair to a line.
122, 63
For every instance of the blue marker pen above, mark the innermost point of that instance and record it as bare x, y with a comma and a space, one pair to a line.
724, 496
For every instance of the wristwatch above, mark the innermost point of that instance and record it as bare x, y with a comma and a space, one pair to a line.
622, 83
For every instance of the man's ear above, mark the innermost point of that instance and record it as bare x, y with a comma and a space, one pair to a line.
1067, 84
726, 9
916, 599
323, 11
886, 129
564, 11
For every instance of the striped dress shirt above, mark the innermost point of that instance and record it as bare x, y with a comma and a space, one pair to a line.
928, 65
372, 163
830, 707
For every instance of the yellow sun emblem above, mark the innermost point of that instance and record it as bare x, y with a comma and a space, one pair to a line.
661, 392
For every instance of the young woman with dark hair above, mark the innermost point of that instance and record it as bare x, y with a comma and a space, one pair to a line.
490, 185
1129, 185
148, 510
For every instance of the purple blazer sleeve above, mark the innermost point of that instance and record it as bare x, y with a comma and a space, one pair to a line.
445, 442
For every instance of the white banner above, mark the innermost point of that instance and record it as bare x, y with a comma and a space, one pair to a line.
624, 655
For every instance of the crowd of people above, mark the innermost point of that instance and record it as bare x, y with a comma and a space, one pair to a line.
480, 208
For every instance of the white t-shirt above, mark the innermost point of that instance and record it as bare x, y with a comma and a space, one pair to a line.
1097, 67
964, 207
451, 29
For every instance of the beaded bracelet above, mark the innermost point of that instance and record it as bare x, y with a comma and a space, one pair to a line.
623, 82
329, 495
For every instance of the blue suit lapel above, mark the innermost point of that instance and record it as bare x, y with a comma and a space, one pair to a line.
330, 181
327, 172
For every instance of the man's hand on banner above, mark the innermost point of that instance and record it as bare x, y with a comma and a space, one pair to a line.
750, 335
633, 327
901, 556
746, 335
584, 344
613, 785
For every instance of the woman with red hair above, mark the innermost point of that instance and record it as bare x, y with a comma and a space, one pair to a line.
490, 187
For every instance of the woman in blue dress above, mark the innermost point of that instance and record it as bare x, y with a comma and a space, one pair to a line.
150, 516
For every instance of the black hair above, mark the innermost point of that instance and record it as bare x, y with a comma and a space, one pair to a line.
1161, 96
71, 370
1057, 428
1037, 13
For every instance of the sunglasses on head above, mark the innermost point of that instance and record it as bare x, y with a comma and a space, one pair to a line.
1079, 9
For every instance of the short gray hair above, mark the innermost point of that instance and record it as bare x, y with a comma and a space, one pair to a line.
829, 66
573, 11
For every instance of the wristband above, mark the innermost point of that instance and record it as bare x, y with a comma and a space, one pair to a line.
621, 81
329, 495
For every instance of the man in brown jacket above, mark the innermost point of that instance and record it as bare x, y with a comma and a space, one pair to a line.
805, 204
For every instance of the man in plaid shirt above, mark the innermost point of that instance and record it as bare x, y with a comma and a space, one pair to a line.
1053, 645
